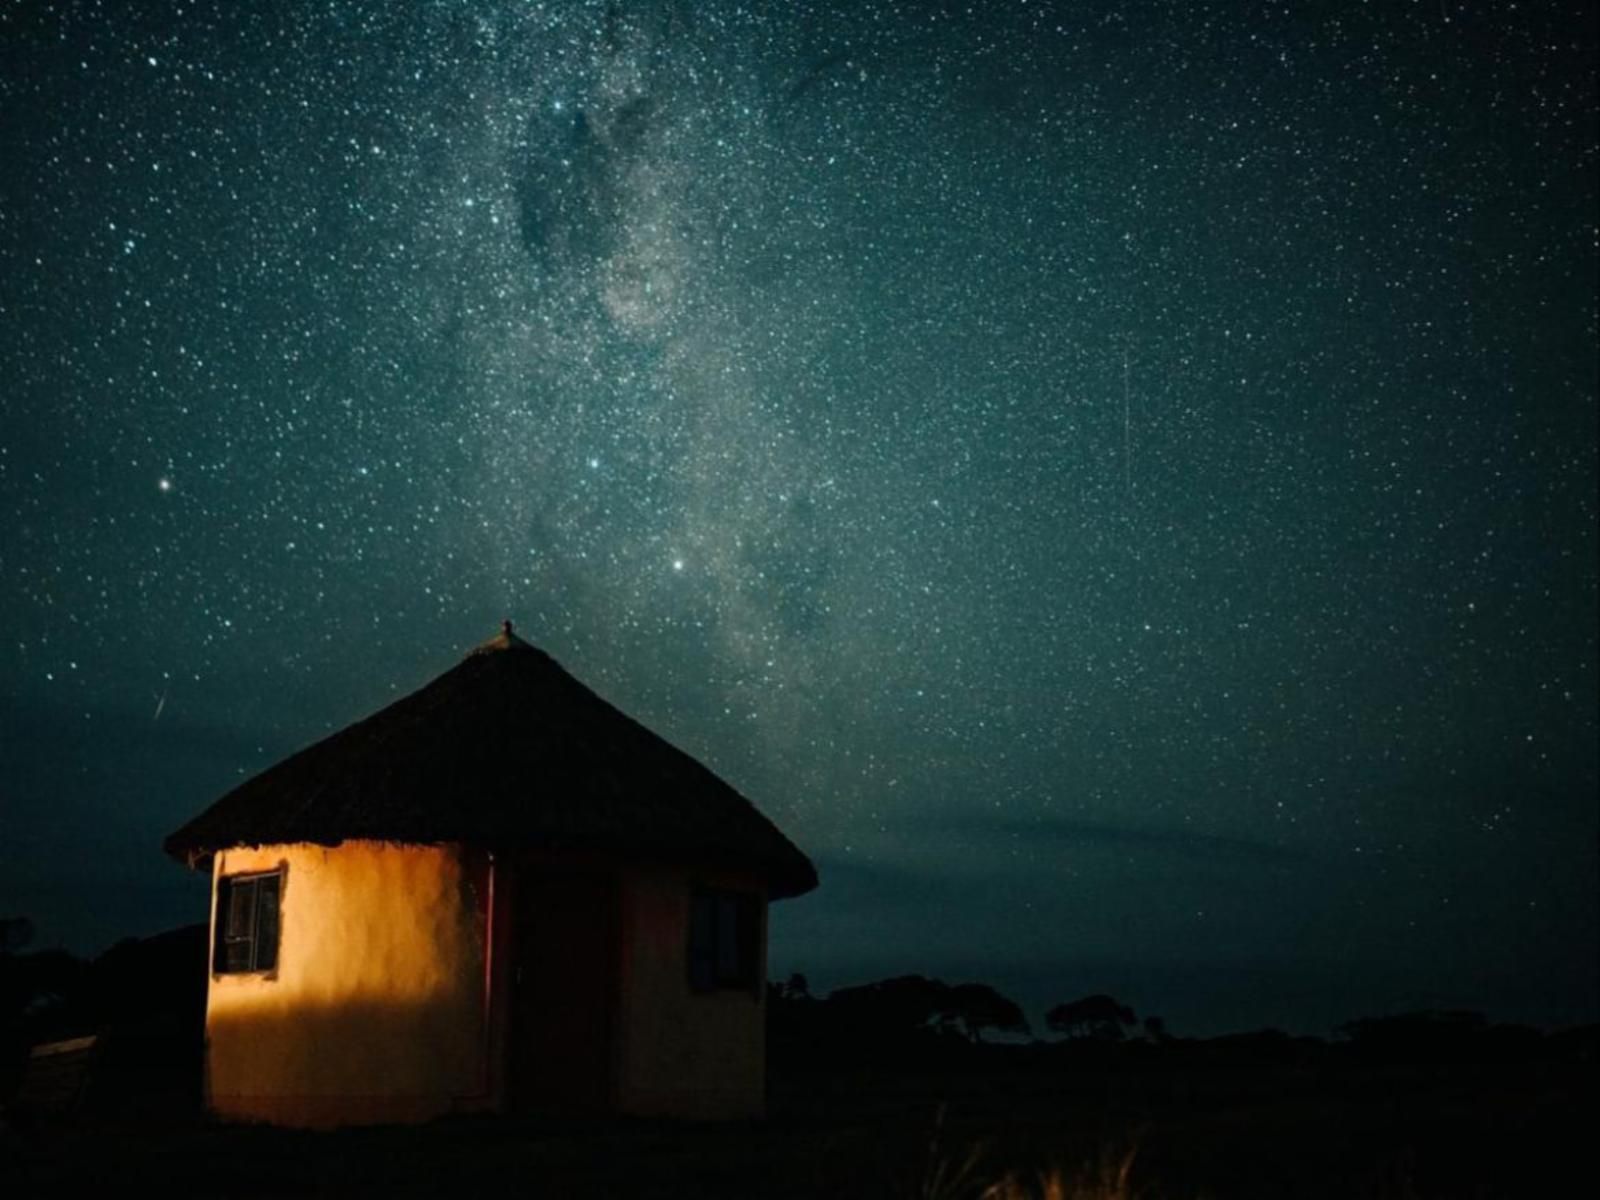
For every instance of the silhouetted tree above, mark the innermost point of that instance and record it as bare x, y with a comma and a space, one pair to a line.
1093, 1018
977, 1006
1155, 1028
790, 1008
901, 1004
910, 1003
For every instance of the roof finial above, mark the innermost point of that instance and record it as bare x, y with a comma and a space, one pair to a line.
506, 639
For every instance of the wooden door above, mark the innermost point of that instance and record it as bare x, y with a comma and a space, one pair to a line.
564, 996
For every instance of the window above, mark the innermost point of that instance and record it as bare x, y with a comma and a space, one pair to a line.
247, 923
724, 940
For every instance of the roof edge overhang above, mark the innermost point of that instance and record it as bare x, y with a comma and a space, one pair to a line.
784, 881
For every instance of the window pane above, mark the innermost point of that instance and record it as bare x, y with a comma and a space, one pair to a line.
241, 901
749, 940
236, 955
267, 888
248, 923
728, 973
724, 939
702, 942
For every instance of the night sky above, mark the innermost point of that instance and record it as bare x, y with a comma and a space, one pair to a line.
1115, 482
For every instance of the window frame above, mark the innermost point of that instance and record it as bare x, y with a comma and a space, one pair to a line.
222, 936
723, 940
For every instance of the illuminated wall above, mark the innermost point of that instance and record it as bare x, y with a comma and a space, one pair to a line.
375, 1011
683, 1053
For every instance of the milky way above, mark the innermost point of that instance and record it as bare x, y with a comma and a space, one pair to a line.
1117, 483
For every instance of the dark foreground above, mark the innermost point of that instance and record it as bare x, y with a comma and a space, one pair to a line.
1207, 1121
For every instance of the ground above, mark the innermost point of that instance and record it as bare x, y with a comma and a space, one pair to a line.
1221, 1125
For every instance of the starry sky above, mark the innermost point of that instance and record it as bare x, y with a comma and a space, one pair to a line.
1115, 482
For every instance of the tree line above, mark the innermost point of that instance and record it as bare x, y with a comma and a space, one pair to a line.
909, 1005
150, 995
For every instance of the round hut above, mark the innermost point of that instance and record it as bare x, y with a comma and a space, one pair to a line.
498, 892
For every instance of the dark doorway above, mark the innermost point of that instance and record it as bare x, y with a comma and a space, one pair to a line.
564, 993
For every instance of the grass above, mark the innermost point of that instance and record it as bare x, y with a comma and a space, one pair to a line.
954, 1173
1105, 1178
1228, 1131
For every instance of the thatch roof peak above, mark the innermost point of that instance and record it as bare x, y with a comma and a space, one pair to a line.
506, 639
503, 750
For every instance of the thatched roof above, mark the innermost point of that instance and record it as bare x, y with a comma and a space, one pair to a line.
503, 750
